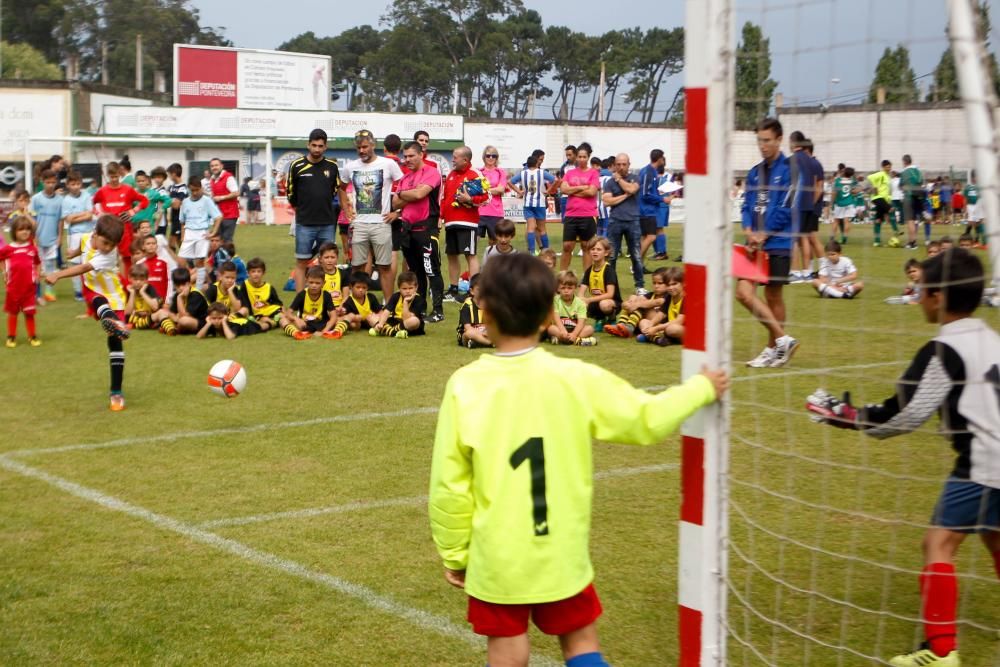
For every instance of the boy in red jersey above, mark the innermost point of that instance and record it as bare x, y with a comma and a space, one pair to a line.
21, 260
159, 273
117, 198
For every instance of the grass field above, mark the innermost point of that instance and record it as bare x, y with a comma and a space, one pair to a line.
288, 526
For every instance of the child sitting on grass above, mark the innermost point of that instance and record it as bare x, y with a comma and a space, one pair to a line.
403, 315
187, 310
510, 499
666, 324
361, 309
21, 260
143, 299
262, 299
637, 308
838, 277
599, 285
336, 281
911, 293
548, 257
569, 324
312, 312
219, 322
471, 332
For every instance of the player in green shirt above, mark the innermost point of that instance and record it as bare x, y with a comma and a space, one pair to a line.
159, 201
911, 180
879, 182
512, 471
844, 203
973, 213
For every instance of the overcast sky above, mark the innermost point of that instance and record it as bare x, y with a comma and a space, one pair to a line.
813, 42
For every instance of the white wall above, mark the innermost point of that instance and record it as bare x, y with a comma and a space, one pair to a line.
33, 112
99, 100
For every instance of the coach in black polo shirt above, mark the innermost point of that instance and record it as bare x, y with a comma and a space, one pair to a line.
313, 182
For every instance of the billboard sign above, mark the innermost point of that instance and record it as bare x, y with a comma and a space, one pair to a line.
230, 78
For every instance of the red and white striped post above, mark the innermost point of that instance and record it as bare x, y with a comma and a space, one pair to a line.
709, 113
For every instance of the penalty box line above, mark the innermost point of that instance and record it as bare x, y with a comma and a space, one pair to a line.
405, 501
386, 604
366, 416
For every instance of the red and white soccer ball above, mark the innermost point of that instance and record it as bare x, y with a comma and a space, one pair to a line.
227, 378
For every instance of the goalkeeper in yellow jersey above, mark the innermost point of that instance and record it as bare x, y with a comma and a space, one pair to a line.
510, 498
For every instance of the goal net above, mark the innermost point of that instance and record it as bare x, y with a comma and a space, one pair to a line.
801, 544
250, 161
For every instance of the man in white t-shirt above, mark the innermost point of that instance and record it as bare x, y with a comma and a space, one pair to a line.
371, 231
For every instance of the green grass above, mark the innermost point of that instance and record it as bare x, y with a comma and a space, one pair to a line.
82, 584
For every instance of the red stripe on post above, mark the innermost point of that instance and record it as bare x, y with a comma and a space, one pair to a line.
696, 121
689, 623
692, 479
696, 295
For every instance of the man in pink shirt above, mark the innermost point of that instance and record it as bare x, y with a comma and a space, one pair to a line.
412, 199
581, 187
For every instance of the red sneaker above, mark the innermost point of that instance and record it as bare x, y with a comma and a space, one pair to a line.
117, 402
333, 335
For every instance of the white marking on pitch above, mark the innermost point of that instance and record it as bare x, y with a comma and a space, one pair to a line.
365, 416
405, 501
383, 603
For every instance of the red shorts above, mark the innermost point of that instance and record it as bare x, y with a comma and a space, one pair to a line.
89, 295
552, 618
21, 301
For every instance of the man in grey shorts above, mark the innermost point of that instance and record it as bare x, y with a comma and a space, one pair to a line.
371, 232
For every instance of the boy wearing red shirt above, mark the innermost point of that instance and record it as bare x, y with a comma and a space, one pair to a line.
119, 199
159, 273
460, 212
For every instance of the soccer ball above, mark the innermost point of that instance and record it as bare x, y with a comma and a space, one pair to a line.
893, 242
227, 378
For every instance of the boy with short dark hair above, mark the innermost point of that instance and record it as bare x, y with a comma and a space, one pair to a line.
220, 322
957, 375
78, 219
361, 309
102, 288
187, 310
178, 191
200, 218
226, 290
471, 332
510, 499
504, 234
47, 205
838, 277
312, 312
403, 315
336, 281
262, 299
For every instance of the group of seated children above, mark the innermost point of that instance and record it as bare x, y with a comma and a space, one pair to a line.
582, 307
330, 305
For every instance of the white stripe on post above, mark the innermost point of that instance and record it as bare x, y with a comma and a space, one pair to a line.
703, 528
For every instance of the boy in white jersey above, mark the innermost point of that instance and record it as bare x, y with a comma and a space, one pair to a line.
531, 183
510, 499
102, 288
957, 374
838, 277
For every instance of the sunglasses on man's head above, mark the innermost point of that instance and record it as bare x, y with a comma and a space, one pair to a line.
363, 134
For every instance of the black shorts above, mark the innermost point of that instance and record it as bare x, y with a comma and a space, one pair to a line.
594, 311
315, 326
175, 227
396, 322
809, 222
397, 235
488, 226
913, 207
882, 209
579, 229
647, 225
459, 241
778, 267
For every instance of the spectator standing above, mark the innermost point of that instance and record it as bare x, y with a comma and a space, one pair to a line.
581, 187
491, 212
621, 196
412, 198
460, 211
649, 199
225, 194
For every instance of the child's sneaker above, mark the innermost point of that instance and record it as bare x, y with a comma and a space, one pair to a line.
11, 343
115, 327
552, 339
663, 341
617, 330
34, 342
77, 296
762, 360
302, 335
589, 341
599, 325
924, 657
784, 348
373, 332
333, 335
471, 343
402, 333
117, 403
642, 338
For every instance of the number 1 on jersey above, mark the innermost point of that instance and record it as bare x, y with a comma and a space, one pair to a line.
533, 451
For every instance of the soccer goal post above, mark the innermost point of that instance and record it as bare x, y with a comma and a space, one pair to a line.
800, 544
101, 144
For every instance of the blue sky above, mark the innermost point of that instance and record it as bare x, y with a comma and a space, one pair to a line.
813, 42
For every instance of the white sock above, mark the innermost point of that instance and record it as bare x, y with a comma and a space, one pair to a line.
832, 292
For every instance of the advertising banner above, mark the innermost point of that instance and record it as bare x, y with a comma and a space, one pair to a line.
32, 113
230, 78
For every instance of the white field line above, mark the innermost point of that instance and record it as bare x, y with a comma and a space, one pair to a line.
364, 416
422, 619
404, 501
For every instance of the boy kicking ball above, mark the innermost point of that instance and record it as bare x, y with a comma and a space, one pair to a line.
102, 289
510, 499
957, 374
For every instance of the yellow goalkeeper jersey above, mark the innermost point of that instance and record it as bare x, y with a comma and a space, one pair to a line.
512, 473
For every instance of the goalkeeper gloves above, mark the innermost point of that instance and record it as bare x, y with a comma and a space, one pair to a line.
825, 408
